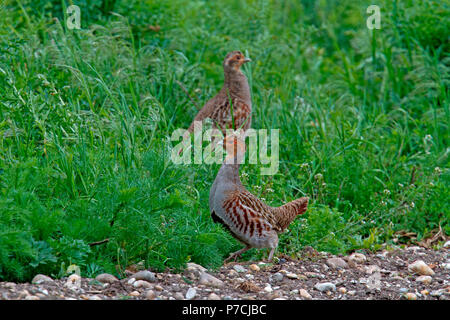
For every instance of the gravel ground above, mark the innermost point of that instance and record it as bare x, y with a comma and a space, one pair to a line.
413, 273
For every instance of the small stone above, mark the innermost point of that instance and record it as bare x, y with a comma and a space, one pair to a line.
159, 288
447, 244
232, 273
274, 295
336, 263
32, 298
292, 275
325, 286
239, 268
437, 293
424, 279
150, 295
145, 275
190, 294
421, 268
10, 285
142, 284
194, 271
414, 248
41, 278
372, 268
277, 277
302, 277
268, 288
342, 290
209, 280
178, 296
425, 292
106, 278
403, 290
254, 267
374, 281
305, 294
352, 292
295, 291
131, 281
73, 282
313, 275
357, 258
95, 297
213, 296
191, 265
410, 296
446, 266
44, 291
134, 294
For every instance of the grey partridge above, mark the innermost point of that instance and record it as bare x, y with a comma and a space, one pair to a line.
249, 219
236, 91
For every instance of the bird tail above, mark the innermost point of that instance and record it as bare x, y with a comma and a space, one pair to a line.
286, 213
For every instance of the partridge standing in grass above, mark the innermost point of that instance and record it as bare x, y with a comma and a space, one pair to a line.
248, 219
236, 91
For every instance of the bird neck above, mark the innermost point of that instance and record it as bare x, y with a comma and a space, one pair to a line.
229, 171
237, 85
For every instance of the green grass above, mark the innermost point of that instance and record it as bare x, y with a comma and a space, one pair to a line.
86, 118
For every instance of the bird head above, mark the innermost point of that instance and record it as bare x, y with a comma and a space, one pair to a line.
234, 60
234, 144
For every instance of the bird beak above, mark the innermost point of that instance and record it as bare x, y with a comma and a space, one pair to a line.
247, 60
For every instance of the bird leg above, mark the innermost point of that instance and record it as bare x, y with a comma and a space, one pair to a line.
236, 254
272, 251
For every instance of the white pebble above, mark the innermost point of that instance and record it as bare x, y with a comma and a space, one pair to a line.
239, 268
421, 268
325, 286
268, 289
424, 279
190, 294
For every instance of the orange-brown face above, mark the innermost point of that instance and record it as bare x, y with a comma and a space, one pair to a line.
234, 145
235, 60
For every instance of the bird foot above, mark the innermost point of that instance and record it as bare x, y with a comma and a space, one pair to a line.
232, 256
236, 254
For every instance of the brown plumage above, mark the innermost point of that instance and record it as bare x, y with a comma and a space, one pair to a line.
248, 218
236, 90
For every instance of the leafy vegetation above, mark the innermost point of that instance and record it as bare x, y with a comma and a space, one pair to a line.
86, 118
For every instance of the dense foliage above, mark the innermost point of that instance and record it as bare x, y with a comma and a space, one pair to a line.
86, 118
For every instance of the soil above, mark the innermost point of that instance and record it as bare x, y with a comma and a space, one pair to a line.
381, 275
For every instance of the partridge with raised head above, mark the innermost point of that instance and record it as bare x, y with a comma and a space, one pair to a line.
235, 92
249, 219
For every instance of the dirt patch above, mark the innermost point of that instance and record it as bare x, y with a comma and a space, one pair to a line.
316, 275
